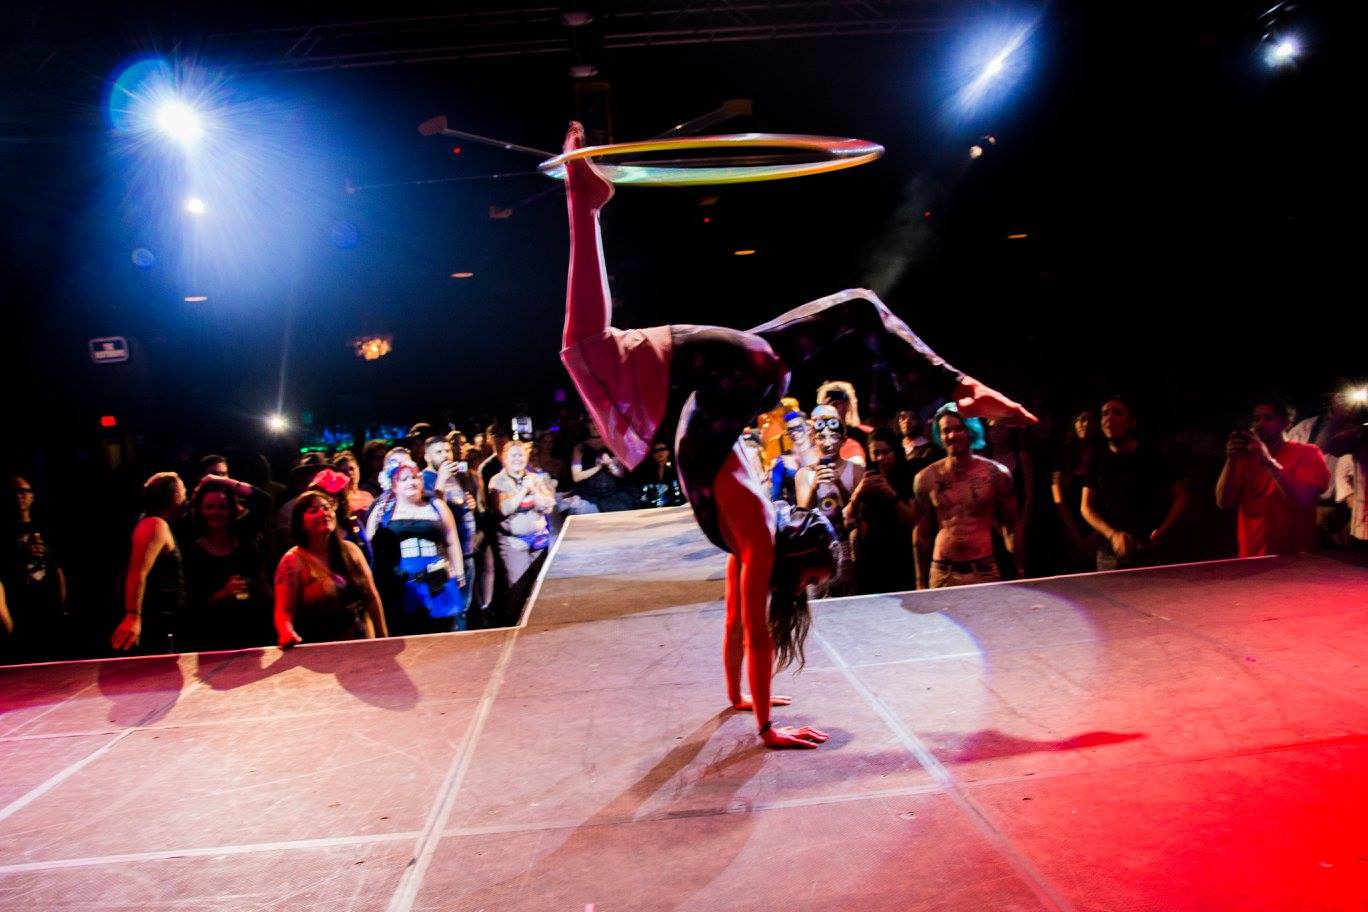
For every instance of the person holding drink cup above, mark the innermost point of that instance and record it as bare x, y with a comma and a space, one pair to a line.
228, 598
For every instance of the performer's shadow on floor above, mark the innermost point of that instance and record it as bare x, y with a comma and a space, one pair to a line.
611, 839
368, 670
992, 744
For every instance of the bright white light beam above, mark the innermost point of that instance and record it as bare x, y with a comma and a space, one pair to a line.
180, 122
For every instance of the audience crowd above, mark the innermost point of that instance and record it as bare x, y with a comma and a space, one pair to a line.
446, 529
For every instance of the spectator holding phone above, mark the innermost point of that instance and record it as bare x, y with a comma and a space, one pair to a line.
826, 486
1273, 482
451, 481
881, 514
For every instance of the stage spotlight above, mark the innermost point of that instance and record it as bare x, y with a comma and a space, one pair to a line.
1359, 396
1283, 52
178, 121
194, 205
990, 63
277, 424
976, 151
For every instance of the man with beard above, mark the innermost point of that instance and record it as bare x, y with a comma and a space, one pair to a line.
1274, 482
968, 496
1129, 495
918, 448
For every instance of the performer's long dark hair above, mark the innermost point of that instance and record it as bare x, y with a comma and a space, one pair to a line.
805, 542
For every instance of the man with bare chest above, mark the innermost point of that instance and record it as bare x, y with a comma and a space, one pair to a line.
968, 496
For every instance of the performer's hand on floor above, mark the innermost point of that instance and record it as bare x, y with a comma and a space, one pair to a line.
978, 401
585, 183
806, 737
746, 704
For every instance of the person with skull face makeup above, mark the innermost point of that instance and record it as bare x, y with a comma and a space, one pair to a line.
717, 381
826, 487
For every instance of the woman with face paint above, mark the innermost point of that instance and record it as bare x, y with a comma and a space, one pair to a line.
826, 487
707, 384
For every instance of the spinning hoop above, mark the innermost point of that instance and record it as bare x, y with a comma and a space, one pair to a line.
841, 153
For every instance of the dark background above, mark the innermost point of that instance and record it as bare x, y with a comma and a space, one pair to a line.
1183, 204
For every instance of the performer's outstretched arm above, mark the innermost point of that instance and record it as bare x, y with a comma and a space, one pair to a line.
747, 525
588, 304
734, 643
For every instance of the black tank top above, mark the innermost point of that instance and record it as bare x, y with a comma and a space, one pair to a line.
164, 593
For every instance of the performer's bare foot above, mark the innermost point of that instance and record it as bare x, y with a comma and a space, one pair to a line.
978, 401
583, 180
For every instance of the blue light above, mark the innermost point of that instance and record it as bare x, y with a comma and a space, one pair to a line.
344, 235
1283, 52
989, 64
226, 175
179, 121
151, 98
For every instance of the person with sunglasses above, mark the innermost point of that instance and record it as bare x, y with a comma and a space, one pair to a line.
659, 480
800, 452
716, 381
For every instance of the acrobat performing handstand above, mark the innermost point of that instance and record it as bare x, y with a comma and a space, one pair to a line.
716, 381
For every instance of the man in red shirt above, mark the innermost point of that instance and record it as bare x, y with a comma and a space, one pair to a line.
1274, 482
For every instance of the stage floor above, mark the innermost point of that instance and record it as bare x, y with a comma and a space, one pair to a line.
1180, 738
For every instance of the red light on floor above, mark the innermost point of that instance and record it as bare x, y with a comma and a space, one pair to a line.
707, 219
926, 214
455, 150
108, 421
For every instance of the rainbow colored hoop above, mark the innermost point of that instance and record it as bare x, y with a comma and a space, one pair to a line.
842, 153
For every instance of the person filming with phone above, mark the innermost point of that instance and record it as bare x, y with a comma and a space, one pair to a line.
1273, 482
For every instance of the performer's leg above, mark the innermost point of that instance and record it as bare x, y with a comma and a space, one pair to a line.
918, 372
588, 305
810, 329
